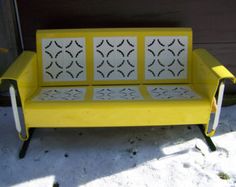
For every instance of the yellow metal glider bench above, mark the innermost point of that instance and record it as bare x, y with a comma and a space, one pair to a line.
116, 77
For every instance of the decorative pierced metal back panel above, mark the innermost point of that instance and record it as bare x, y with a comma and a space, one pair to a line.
63, 59
115, 58
60, 94
117, 93
172, 92
166, 57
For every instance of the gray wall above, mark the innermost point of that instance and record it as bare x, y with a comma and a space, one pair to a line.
213, 21
9, 45
8, 37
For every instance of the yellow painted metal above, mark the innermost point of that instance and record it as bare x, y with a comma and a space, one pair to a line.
214, 105
180, 32
89, 34
24, 72
90, 113
205, 73
126, 114
211, 133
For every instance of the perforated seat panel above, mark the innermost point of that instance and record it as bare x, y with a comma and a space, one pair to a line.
61, 94
116, 93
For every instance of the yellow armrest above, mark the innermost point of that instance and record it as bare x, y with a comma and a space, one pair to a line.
24, 72
213, 64
208, 72
18, 67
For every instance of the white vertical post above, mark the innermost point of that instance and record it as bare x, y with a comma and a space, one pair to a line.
14, 108
219, 104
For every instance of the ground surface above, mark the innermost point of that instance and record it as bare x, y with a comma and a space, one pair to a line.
150, 156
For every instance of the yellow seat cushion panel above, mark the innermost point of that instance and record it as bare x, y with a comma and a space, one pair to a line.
124, 105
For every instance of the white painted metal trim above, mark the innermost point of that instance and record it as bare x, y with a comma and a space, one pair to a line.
14, 108
219, 104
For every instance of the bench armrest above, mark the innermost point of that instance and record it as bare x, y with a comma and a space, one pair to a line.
207, 78
24, 72
208, 72
212, 64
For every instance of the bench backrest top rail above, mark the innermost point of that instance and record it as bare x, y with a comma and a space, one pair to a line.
114, 56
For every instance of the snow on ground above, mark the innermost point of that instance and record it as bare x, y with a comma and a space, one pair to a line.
143, 156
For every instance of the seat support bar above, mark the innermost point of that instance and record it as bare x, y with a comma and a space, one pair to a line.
209, 141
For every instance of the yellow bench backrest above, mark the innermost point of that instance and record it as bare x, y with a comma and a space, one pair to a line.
114, 56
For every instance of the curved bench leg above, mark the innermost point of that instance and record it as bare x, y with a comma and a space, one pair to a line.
28, 132
12, 91
207, 133
211, 132
14, 108
25, 144
219, 104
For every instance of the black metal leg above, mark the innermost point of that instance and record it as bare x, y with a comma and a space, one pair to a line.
25, 145
209, 142
56, 184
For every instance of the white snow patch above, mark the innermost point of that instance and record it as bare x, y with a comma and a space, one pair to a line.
148, 156
41, 182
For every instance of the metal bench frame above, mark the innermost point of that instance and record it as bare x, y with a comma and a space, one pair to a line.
29, 64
